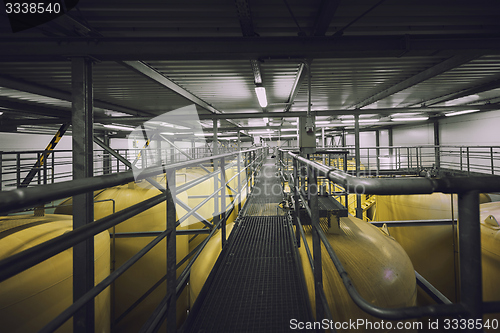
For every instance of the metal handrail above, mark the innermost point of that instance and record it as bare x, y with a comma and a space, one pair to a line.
404, 185
27, 196
15, 200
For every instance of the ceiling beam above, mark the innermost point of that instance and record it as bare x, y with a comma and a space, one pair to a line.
322, 113
462, 93
299, 78
38, 89
427, 74
158, 77
325, 17
246, 24
227, 48
33, 108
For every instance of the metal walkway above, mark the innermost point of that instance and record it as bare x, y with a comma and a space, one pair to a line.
257, 284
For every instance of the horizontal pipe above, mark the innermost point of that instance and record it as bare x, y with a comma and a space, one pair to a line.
403, 185
156, 233
21, 261
413, 223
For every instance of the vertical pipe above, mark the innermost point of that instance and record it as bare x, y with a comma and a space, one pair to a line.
171, 249
83, 208
437, 153
359, 210
470, 254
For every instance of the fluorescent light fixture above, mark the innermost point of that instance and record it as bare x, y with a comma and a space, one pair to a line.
410, 118
288, 129
167, 133
203, 134
261, 95
229, 138
322, 122
457, 113
364, 121
288, 136
119, 127
407, 114
260, 132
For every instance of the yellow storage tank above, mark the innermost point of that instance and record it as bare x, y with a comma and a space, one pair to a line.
421, 243
205, 262
31, 299
139, 278
378, 266
490, 249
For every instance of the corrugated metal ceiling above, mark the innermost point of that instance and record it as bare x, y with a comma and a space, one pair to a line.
338, 84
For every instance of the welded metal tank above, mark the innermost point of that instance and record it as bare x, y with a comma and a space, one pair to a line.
32, 298
378, 266
204, 264
424, 242
139, 278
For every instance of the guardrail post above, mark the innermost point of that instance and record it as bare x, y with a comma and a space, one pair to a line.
468, 162
312, 187
296, 199
83, 205
223, 199
18, 170
171, 252
239, 180
471, 286
492, 161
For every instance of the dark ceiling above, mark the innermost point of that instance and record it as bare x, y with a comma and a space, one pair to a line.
376, 58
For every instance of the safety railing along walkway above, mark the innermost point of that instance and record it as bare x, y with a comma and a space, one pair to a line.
304, 174
257, 284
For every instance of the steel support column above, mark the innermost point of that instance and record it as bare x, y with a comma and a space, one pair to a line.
106, 164
436, 144
83, 209
171, 324
312, 187
391, 144
377, 144
471, 284
359, 210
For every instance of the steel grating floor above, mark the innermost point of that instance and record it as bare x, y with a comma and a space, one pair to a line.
257, 284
